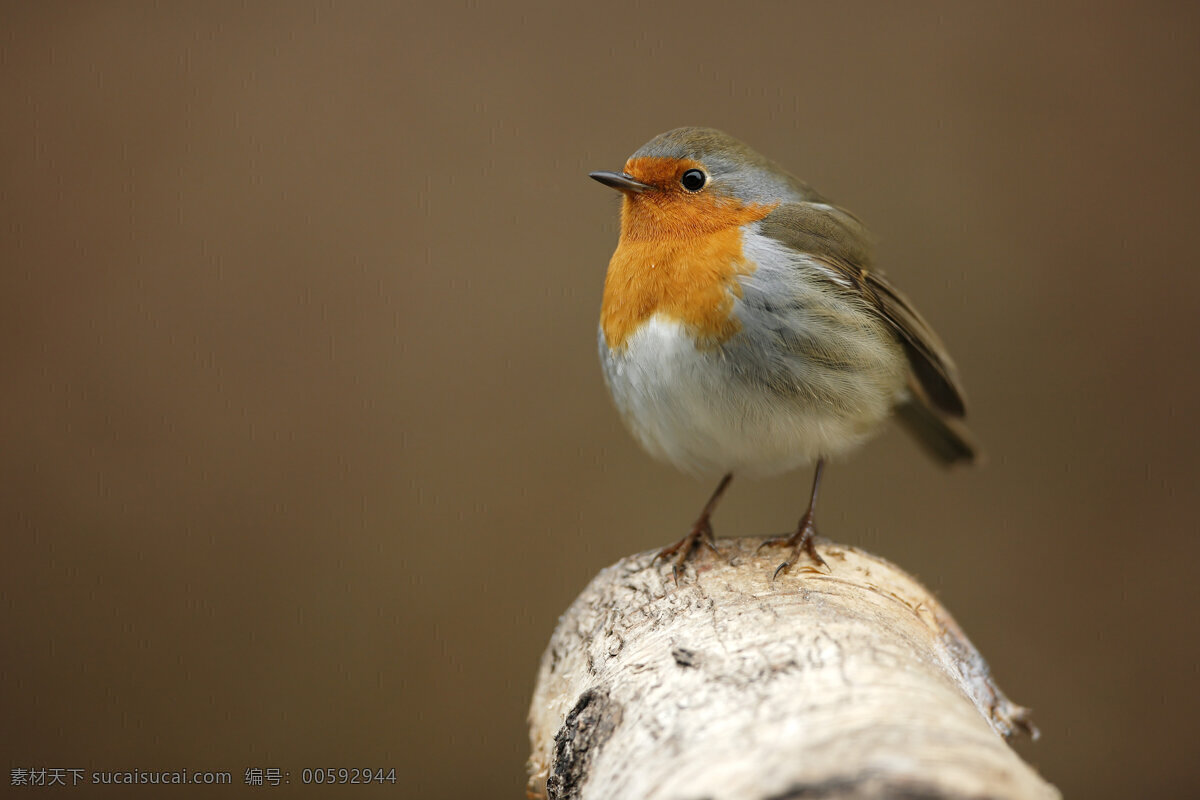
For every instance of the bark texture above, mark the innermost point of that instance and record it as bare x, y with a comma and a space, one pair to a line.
851, 683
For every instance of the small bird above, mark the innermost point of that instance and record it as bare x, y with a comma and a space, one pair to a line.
745, 331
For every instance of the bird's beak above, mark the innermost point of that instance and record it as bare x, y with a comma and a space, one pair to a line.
619, 181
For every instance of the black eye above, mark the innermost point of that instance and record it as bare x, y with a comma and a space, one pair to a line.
693, 180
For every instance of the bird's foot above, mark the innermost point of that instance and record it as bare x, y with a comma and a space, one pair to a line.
801, 541
700, 534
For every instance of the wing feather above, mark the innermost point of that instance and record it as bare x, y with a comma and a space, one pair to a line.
840, 242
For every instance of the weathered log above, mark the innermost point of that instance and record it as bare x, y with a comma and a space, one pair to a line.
849, 682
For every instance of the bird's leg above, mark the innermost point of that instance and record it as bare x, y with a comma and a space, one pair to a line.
701, 533
802, 540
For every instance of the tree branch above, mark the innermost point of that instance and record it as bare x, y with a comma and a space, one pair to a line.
847, 684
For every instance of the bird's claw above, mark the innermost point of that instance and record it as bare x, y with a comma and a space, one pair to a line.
700, 534
802, 541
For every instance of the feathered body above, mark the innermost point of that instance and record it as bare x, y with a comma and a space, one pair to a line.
743, 328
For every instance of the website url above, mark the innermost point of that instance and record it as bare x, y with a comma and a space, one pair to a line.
65, 776
183, 776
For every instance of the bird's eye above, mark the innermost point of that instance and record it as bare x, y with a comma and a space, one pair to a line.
693, 180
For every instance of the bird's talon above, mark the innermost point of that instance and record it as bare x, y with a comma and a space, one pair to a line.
774, 540
810, 547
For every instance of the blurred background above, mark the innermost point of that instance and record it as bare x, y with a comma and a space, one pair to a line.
304, 445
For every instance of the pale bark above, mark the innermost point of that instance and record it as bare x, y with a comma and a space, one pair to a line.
850, 683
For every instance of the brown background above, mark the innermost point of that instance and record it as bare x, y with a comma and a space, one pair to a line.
305, 443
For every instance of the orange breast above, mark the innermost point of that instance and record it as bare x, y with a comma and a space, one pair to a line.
679, 256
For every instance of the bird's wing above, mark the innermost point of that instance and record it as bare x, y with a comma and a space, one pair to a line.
839, 241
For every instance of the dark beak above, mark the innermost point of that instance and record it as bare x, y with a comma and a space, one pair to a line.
619, 181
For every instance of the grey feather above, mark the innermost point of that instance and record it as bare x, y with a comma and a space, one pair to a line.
839, 241
945, 439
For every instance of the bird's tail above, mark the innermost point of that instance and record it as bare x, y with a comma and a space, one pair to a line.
945, 439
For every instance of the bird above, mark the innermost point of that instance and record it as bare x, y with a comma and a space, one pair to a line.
744, 329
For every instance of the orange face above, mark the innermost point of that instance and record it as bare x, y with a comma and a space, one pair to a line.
679, 256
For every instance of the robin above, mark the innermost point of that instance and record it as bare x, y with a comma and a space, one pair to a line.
745, 331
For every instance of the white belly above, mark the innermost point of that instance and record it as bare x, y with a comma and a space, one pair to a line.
695, 410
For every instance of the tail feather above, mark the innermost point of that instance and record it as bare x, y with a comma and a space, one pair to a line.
945, 439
